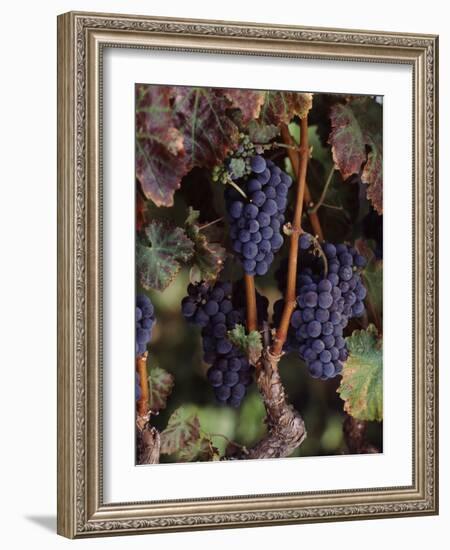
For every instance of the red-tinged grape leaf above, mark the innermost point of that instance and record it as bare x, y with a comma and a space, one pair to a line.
202, 450
259, 132
160, 251
183, 429
161, 384
347, 140
281, 107
141, 212
161, 160
249, 102
209, 134
356, 128
373, 174
361, 386
209, 257
250, 344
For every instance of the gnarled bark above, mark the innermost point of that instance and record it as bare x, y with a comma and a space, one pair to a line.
148, 443
285, 427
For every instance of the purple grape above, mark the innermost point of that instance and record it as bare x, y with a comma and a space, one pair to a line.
258, 164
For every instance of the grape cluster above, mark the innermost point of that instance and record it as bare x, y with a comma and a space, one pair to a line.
145, 319
256, 222
325, 304
213, 310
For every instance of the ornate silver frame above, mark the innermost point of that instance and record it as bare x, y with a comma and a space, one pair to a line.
81, 38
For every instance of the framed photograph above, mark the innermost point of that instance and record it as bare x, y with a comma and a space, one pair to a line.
247, 286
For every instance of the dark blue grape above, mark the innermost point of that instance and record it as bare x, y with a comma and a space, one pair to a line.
258, 164
256, 237
305, 241
222, 393
328, 370
318, 346
270, 192
253, 226
211, 308
325, 300
249, 266
253, 185
250, 211
215, 377
345, 273
267, 232
238, 391
314, 328
236, 208
322, 315
311, 299
244, 235
258, 198
263, 219
315, 369
145, 320
249, 250
230, 378
276, 241
329, 341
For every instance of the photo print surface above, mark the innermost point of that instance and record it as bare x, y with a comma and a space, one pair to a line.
259, 269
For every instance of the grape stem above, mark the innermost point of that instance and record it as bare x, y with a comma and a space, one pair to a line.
319, 203
148, 441
296, 230
250, 296
141, 369
204, 226
294, 157
236, 186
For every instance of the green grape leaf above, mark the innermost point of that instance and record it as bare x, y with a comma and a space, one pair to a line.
209, 134
249, 102
361, 386
250, 344
183, 430
281, 107
160, 384
202, 450
209, 257
161, 160
159, 253
346, 140
259, 132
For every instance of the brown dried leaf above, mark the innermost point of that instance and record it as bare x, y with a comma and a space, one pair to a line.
249, 102
373, 175
281, 107
346, 140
